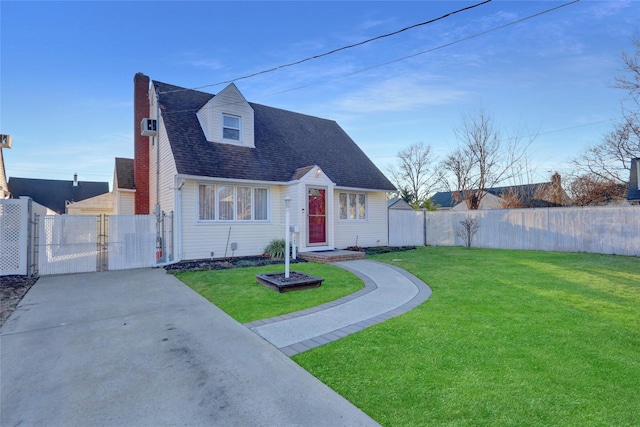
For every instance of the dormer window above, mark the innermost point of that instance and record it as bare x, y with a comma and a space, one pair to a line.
231, 127
227, 118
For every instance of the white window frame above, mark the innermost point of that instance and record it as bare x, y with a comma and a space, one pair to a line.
358, 204
216, 201
239, 128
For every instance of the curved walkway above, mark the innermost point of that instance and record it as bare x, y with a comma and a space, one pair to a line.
389, 291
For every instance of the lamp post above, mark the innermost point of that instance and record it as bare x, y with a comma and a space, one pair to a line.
287, 203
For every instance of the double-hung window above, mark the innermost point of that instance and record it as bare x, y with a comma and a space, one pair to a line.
230, 127
232, 203
353, 206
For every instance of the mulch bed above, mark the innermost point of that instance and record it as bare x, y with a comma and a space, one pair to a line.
223, 264
12, 289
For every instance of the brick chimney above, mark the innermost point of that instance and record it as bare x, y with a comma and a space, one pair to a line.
141, 144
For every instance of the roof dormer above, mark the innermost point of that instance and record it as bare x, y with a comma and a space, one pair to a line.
228, 118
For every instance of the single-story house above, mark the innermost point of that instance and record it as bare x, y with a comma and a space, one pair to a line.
633, 192
226, 168
55, 194
540, 195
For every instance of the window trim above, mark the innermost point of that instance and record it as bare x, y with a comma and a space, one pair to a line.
216, 201
356, 194
239, 128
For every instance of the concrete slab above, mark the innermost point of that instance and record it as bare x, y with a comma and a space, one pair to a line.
139, 348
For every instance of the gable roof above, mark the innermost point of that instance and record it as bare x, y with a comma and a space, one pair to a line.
124, 173
55, 193
285, 142
444, 199
633, 193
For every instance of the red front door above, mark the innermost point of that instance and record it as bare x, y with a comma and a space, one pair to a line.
317, 216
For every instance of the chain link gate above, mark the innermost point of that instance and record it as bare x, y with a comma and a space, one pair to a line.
79, 243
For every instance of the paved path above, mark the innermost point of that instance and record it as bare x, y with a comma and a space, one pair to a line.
139, 348
389, 291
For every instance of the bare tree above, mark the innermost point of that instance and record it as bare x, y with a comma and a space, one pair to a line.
630, 82
609, 161
593, 190
483, 158
469, 226
414, 173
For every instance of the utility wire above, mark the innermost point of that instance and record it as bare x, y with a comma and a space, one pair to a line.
394, 60
441, 46
291, 64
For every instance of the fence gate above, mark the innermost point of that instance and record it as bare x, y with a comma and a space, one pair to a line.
131, 241
68, 244
81, 243
14, 238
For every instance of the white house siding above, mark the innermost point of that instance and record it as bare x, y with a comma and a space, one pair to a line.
369, 232
200, 239
168, 169
124, 202
228, 101
97, 205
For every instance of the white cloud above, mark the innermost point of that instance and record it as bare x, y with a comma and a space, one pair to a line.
397, 95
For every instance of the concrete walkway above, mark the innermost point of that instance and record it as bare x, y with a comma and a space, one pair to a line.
139, 348
389, 291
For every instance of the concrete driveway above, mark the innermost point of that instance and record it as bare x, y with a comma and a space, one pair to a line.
139, 348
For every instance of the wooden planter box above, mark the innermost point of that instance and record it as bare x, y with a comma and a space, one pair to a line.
297, 281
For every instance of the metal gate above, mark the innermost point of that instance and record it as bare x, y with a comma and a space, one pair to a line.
80, 243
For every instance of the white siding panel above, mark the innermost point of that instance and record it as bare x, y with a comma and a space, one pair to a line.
125, 203
229, 101
168, 169
200, 239
372, 232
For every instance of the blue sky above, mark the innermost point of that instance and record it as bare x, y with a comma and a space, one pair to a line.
66, 73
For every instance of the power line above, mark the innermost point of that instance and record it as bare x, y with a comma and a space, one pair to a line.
441, 46
291, 64
500, 27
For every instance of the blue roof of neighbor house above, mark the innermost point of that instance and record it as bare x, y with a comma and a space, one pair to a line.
55, 193
446, 200
633, 193
284, 141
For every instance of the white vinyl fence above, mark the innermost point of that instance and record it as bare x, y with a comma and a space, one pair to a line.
32, 242
14, 222
406, 227
607, 230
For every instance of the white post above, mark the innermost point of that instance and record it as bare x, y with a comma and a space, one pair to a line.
287, 202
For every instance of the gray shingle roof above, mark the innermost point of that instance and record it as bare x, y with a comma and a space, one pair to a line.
124, 173
284, 142
634, 191
54, 193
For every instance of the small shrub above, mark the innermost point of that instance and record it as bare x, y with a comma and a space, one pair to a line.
275, 249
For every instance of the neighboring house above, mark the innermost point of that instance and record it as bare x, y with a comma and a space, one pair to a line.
225, 166
97, 205
399, 204
124, 188
540, 195
56, 194
633, 193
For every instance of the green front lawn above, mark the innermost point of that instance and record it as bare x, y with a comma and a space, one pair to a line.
237, 293
508, 338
